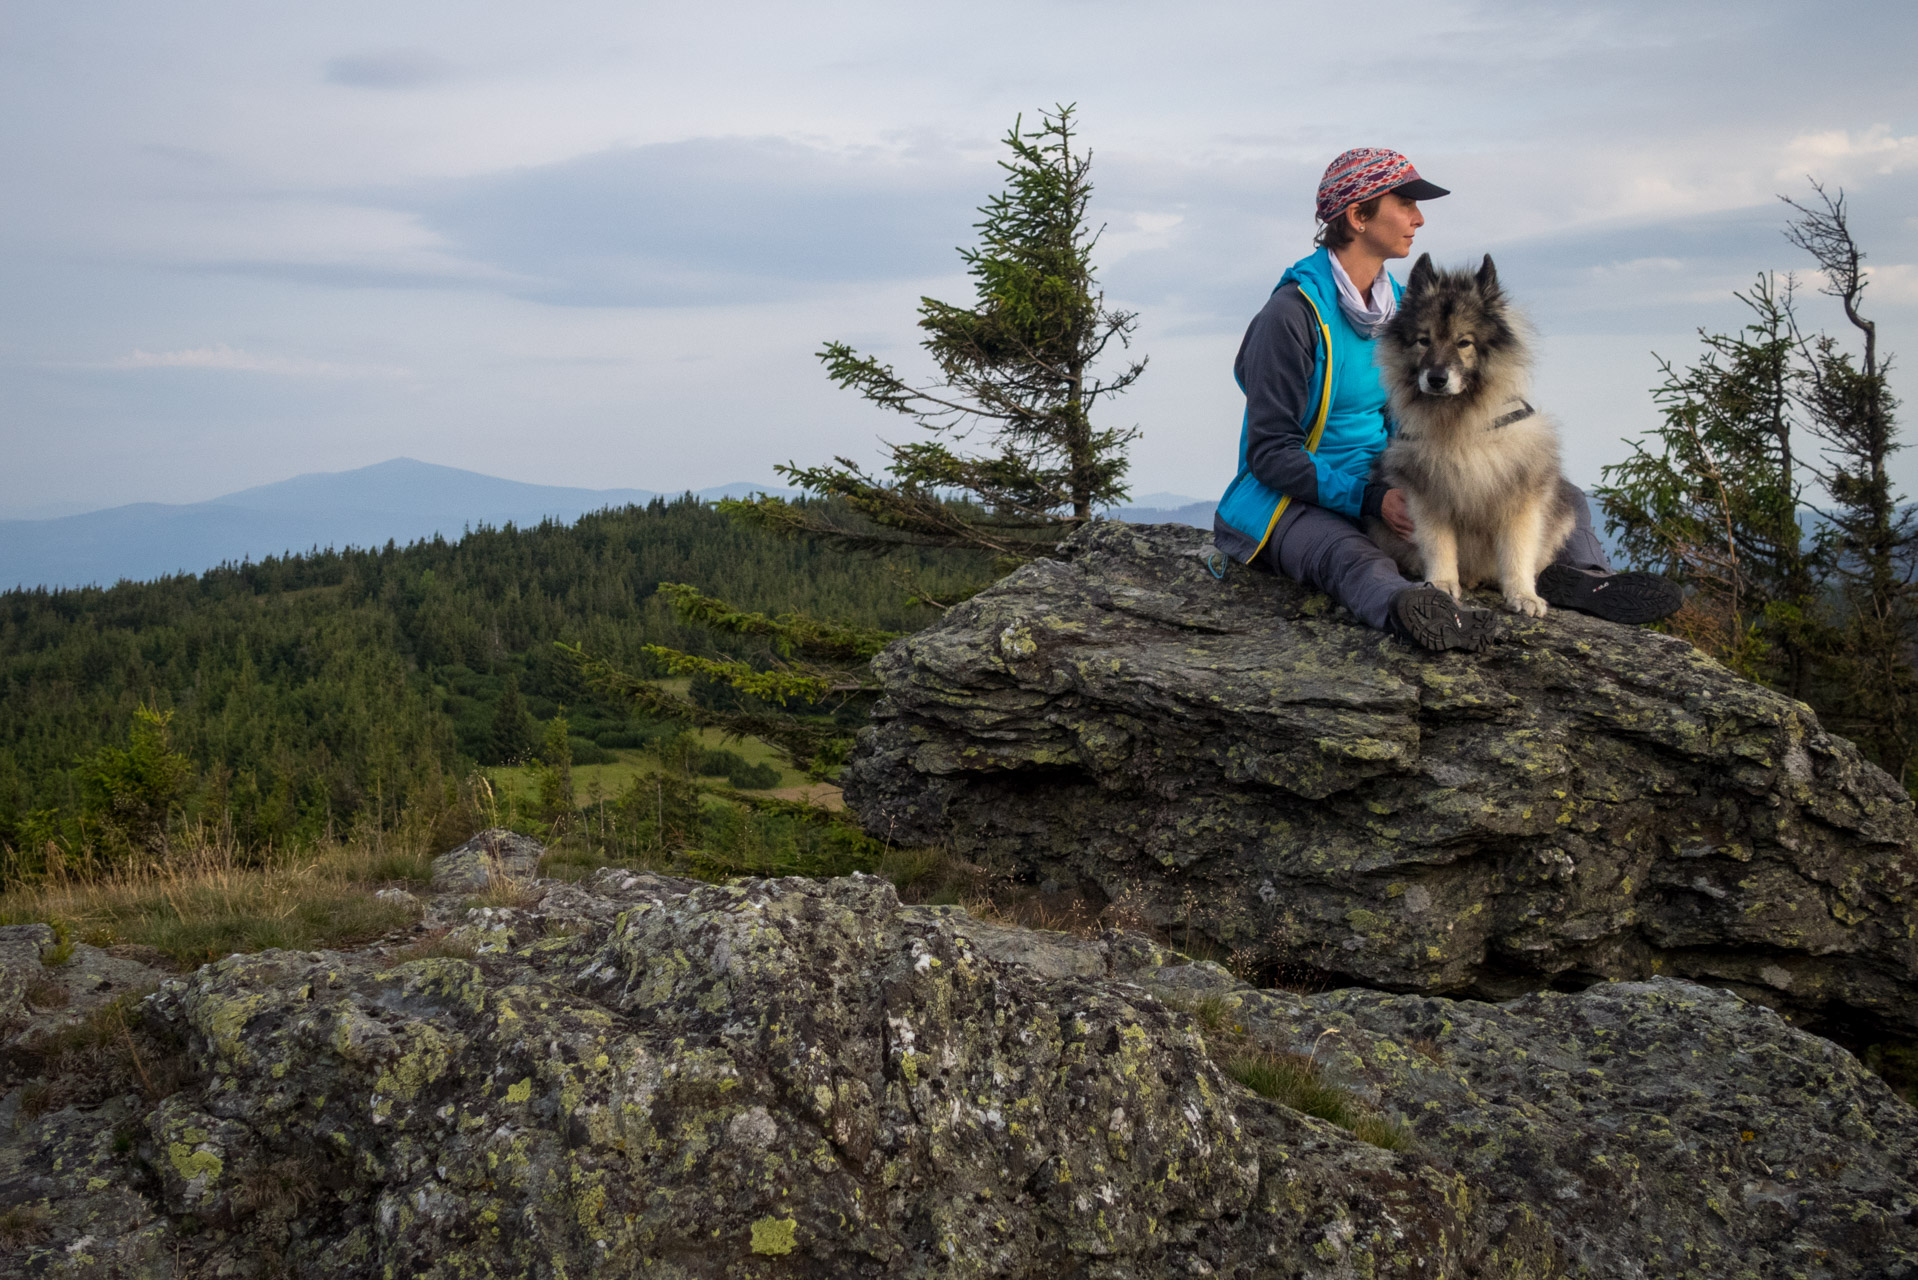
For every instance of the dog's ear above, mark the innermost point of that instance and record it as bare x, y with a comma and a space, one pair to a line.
1424, 275
1488, 277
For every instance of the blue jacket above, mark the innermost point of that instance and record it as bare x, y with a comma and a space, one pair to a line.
1305, 437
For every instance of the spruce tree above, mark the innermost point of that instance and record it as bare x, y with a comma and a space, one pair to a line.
513, 732
1713, 498
1869, 529
131, 790
555, 774
1017, 377
1766, 489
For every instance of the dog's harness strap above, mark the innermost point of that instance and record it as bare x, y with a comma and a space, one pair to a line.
1519, 414
1318, 423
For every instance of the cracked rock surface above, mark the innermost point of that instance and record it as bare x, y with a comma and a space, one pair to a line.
804, 1078
1239, 761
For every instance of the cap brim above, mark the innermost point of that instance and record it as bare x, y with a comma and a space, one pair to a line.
1420, 189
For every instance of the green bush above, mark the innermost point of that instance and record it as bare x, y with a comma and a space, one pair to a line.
753, 777
621, 739
587, 751
719, 763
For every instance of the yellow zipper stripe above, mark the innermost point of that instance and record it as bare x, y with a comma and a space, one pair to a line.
1318, 426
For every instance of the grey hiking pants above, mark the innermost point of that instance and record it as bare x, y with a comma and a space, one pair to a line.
1324, 549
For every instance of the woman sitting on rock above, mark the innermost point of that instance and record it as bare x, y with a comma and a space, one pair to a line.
1296, 504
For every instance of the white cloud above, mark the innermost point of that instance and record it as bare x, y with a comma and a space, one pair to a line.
231, 359
1132, 233
1895, 282
620, 231
1836, 154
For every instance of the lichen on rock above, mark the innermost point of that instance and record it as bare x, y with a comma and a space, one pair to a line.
493, 855
1237, 761
794, 1077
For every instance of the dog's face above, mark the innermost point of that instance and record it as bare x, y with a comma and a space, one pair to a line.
1448, 326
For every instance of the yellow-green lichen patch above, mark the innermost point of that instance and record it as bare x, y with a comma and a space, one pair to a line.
774, 1235
194, 1164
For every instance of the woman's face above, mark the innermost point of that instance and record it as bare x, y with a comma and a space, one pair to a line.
1389, 232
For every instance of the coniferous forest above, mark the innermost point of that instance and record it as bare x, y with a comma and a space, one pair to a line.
332, 692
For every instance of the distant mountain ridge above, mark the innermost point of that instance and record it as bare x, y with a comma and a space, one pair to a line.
401, 500
1167, 508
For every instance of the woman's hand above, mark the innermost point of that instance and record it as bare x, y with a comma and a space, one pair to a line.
1397, 516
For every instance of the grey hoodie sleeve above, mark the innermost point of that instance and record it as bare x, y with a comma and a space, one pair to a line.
1274, 369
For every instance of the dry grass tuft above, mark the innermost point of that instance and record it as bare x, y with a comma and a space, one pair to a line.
23, 1224
112, 1051
279, 1193
932, 876
46, 994
210, 901
504, 891
1057, 912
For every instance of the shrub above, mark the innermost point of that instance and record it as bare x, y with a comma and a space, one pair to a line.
719, 763
587, 751
753, 777
130, 790
621, 739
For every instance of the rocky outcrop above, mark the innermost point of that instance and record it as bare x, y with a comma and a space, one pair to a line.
794, 1077
493, 855
1238, 761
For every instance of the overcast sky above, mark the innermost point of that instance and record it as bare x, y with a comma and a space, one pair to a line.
596, 243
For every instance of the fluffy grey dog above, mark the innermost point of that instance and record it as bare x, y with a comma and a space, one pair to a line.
1478, 464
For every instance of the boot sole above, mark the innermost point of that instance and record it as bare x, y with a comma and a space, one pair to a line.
1628, 598
1436, 621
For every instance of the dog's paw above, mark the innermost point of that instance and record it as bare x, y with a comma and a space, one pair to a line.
1451, 588
1525, 602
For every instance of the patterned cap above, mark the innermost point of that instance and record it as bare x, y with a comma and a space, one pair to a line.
1364, 172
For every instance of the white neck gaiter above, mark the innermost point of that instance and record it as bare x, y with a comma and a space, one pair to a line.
1367, 314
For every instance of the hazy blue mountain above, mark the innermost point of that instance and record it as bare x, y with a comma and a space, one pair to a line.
400, 501
1166, 508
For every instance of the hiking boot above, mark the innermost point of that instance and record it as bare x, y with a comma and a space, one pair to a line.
1629, 598
1431, 619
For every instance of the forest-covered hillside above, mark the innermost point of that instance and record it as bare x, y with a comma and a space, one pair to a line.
320, 692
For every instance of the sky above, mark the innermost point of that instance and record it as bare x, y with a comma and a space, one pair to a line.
600, 244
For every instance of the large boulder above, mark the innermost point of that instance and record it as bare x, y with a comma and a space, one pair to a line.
1239, 761
770, 1078
791, 1077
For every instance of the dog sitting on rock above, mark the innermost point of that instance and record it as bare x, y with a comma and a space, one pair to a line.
1478, 464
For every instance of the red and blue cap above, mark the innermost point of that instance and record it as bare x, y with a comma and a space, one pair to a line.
1364, 172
